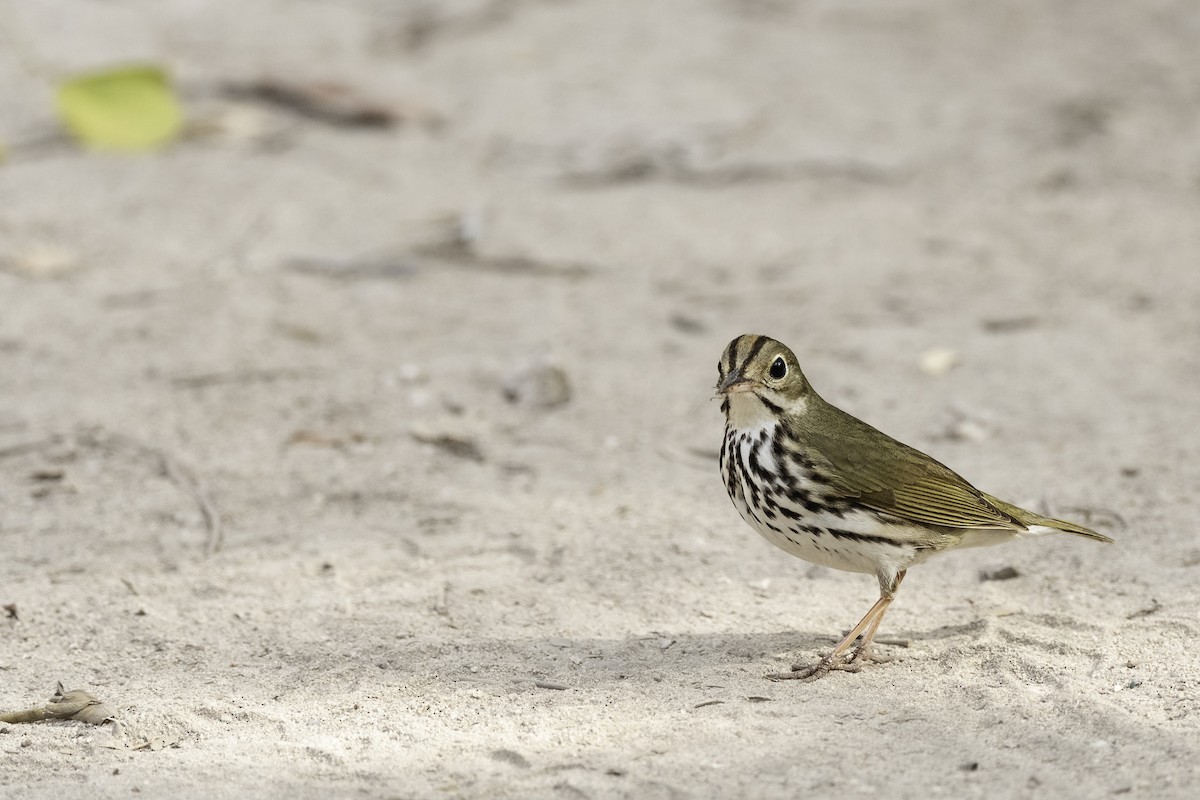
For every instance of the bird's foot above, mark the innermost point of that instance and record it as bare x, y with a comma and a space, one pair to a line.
811, 672
842, 662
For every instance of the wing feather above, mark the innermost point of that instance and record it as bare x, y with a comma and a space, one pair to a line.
889, 476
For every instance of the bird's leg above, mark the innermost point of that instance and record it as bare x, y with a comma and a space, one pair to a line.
887, 591
866, 627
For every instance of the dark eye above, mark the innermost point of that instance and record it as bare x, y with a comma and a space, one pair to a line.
778, 368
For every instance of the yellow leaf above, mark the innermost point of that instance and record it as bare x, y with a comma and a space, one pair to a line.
124, 108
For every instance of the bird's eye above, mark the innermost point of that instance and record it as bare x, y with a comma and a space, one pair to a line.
778, 368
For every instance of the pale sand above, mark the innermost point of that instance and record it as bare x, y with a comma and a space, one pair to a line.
1014, 181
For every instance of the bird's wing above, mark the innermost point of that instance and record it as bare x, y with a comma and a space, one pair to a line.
889, 476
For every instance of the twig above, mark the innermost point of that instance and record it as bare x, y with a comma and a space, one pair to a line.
187, 482
353, 269
1153, 608
183, 478
893, 642
670, 166
330, 103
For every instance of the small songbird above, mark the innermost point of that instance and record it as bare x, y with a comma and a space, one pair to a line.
829, 488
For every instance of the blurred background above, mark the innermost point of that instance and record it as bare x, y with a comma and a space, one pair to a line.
367, 318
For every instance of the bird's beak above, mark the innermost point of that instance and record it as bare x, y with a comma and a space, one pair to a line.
734, 382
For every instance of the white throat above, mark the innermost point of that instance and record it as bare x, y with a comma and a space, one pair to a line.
747, 412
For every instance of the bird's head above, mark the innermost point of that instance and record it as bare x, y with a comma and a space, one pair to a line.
758, 380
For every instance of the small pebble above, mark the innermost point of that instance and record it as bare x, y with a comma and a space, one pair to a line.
938, 361
1002, 574
540, 385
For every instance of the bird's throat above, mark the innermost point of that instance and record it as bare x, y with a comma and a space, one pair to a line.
748, 411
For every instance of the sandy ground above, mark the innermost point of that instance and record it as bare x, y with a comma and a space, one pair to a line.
442, 575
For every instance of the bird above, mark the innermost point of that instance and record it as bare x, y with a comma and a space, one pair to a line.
823, 485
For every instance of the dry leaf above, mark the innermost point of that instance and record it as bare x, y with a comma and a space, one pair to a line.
75, 704
124, 108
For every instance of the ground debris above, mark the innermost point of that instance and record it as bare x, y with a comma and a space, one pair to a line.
1153, 608
538, 385
204, 380
329, 102
702, 162
1009, 324
378, 267
80, 706
75, 705
455, 444
176, 472
893, 641
1002, 574
338, 441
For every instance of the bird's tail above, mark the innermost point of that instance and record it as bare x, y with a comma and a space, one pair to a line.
1031, 519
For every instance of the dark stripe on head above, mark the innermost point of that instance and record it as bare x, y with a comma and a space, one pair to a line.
758, 345
733, 348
